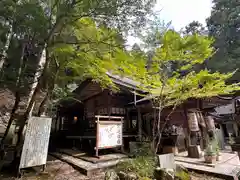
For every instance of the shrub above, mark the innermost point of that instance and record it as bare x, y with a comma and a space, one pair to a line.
142, 166
182, 175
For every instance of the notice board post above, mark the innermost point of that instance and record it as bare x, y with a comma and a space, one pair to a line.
108, 133
35, 147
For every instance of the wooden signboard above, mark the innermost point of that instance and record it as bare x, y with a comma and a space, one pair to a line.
35, 147
193, 121
109, 133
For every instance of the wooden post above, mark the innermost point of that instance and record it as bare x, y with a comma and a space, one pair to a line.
139, 124
128, 123
122, 146
97, 136
204, 130
235, 128
148, 121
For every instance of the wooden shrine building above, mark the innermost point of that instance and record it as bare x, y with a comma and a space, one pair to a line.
81, 121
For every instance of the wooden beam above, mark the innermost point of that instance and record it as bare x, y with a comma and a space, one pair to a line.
97, 136
109, 117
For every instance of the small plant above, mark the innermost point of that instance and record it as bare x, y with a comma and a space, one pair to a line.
231, 139
210, 151
210, 154
182, 175
145, 178
215, 146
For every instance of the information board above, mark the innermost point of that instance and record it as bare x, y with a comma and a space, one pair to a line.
110, 134
35, 147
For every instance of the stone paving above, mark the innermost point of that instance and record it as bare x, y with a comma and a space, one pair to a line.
229, 166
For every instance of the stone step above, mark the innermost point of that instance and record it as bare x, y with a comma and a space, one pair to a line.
87, 168
84, 156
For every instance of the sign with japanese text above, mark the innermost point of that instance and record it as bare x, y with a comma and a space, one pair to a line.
35, 147
110, 134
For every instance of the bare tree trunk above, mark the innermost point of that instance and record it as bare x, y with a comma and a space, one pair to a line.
43, 63
14, 109
6, 47
159, 134
50, 87
42, 108
17, 93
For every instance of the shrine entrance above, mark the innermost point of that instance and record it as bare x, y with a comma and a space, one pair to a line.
107, 134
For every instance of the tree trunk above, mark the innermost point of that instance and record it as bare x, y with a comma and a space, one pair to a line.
17, 93
50, 87
6, 47
42, 108
159, 132
12, 117
43, 63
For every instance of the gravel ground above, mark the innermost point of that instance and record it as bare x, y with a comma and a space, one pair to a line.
58, 170
55, 170
196, 176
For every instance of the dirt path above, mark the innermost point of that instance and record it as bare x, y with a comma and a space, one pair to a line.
196, 176
55, 170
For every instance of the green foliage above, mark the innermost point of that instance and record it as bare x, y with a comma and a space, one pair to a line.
194, 27
210, 150
90, 52
182, 175
144, 178
81, 37
175, 85
223, 25
231, 139
215, 145
142, 149
143, 166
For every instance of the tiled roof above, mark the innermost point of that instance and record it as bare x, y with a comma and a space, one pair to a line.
124, 81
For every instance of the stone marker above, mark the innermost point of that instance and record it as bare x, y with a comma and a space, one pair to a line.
166, 161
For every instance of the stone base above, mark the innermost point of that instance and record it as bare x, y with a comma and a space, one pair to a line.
170, 149
194, 152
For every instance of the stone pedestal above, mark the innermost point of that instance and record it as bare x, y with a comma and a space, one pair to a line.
194, 151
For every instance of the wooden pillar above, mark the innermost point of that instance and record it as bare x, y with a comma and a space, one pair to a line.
97, 137
148, 121
221, 137
235, 127
128, 120
204, 130
139, 124
109, 102
122, 146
